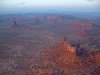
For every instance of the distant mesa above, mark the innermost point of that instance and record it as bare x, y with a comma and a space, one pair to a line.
82, 26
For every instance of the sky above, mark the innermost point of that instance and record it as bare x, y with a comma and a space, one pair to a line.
19, 5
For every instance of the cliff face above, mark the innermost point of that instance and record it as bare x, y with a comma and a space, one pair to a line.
68, 58
67, 46
73, 59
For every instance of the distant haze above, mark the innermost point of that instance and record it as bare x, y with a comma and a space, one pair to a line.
12, 6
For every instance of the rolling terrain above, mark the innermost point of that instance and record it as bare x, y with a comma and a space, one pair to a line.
49, 44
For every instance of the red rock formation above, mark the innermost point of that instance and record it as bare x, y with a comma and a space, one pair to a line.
82, 26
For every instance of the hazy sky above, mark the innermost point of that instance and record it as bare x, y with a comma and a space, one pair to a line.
23, 4
48, 3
